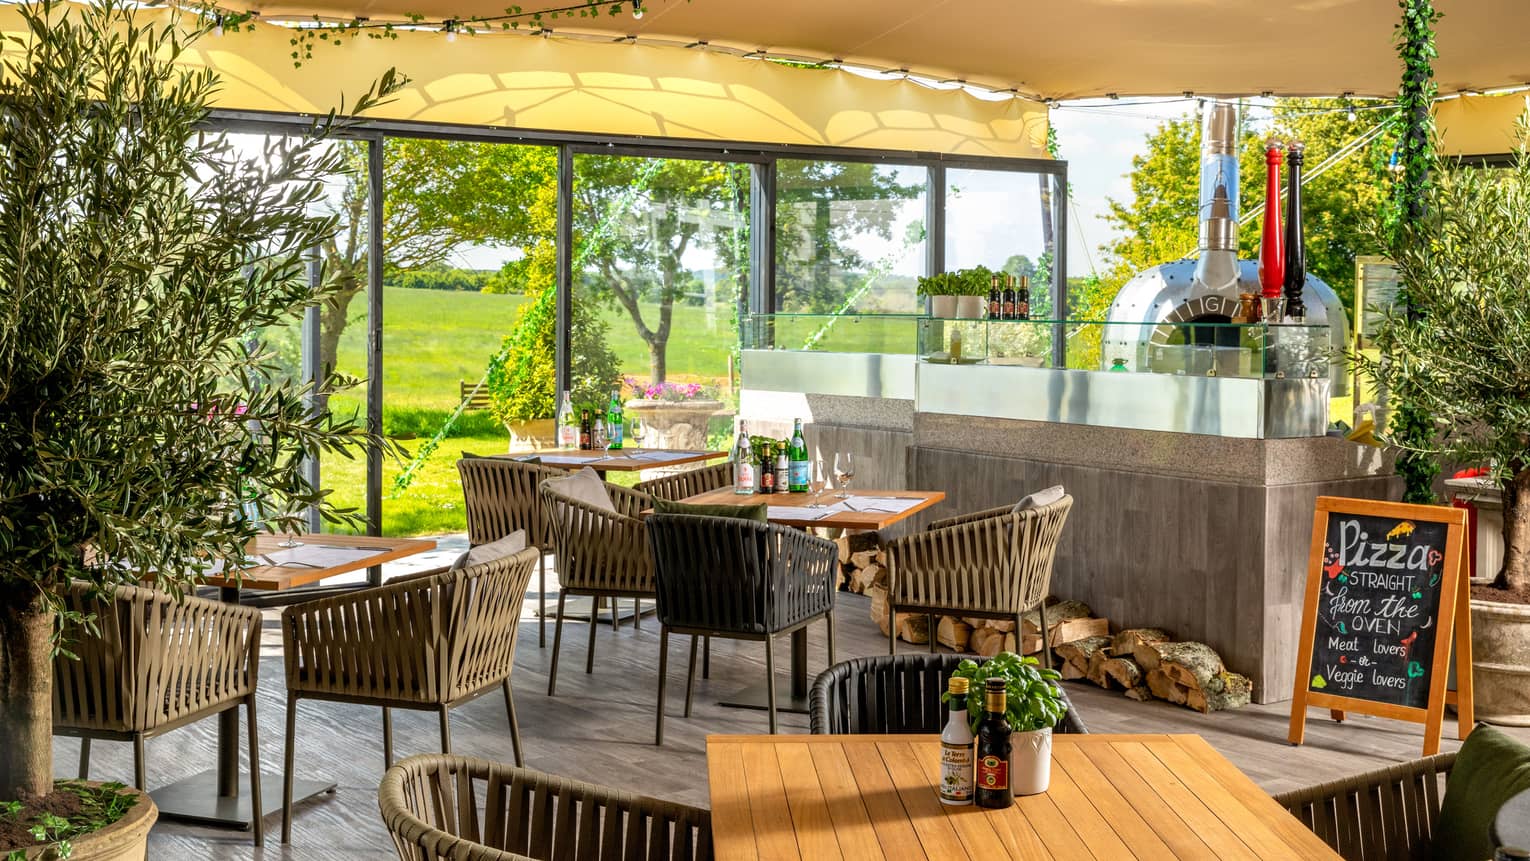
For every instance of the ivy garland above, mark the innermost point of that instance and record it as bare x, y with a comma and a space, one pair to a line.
1411, 427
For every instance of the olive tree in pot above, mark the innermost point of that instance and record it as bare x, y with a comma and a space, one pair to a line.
1463, 351
141, 414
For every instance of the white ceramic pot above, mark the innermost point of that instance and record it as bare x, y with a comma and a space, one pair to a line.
1030, 762
1501, 662
943, 306
969, 307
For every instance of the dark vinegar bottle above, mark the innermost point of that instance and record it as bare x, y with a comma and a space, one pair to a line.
995, 299
585, 429
993, 747
1007, 309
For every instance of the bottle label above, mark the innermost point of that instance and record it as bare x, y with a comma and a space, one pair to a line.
955, 773
1009, 308
799, 474
993, 772
745, 475
616, 434
568, 436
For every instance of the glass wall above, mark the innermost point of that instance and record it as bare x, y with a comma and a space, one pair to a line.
660, 269
850, 237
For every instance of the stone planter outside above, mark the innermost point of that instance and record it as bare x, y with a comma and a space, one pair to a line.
673, 424
970, 307
127, 839
1501, 663
534, 435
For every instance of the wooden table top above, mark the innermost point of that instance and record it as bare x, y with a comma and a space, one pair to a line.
625, 460
1153, 797
277, 578
831, 520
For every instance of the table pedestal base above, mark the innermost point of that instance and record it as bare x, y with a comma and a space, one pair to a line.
196, 799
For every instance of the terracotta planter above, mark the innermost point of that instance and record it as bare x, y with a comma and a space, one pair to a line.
970, 307
534, 435
943, 306
127, 839
1501, 662
1030, 762
674, 424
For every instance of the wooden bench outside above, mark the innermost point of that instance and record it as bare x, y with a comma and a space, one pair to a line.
471, 400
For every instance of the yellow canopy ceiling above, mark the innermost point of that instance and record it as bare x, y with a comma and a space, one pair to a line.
1478, 125
1063, 48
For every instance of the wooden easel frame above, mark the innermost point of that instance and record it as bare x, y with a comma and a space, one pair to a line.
1454, 619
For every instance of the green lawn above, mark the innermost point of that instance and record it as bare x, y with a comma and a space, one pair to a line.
434, 338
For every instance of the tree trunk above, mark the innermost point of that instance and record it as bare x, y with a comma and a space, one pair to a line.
657, 361
1515, 573
26, 692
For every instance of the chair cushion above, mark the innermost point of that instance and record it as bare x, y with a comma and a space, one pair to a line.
510, 545
586, 487
757, 513
1040, 498
1491, 768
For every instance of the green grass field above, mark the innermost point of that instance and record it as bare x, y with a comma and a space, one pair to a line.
434, 338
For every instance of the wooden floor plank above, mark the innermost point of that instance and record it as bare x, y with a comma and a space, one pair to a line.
883, 804
770, 814
1106, 798
1176, 800
732, 825
936, 833
815, 832
1297, 837
857, 839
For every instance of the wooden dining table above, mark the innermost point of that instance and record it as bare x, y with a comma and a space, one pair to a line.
1112, 797
879, 509
215, 796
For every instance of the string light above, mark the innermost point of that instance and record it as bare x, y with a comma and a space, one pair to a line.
449, 27
637, 9
218, 24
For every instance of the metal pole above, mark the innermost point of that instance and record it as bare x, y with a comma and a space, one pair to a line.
1059, 285
311, 374
762, 246
374, 342
563, 358
935, 222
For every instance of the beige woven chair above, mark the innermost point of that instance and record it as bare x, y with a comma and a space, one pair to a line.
453, 808
500, 496
426, 643
602, 554
158, 663
679, 485
993, 564
1380, 815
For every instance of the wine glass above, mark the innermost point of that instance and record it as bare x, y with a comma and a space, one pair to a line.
844, 471
816, 481
636, 430
599, 439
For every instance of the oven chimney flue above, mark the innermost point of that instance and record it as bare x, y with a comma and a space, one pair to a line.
1216, 267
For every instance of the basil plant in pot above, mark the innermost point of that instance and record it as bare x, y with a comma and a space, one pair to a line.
1033, 706
141, 413
1461, 350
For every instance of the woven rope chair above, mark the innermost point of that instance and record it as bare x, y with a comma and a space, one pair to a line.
453, 808
159, 663
741, 580
679, 485
993, 564
895, 694
1380, 815
426, 643
602, 554
500, 496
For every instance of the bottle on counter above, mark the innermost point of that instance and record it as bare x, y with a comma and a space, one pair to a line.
799, 471
1023, 299
956, 345
1007, 309
614, 421
586, 430
1119, 366
783, 469
766, 470
995, 298
1296, 252
956, 749
743, 462
568, 428
993, 749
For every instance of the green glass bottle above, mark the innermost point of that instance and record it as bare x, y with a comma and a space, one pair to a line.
797, 461
614, 421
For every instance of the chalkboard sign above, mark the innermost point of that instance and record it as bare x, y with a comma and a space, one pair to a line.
1386, 590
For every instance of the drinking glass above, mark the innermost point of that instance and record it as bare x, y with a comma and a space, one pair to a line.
816, 482
599, 439
844, 471
636, 431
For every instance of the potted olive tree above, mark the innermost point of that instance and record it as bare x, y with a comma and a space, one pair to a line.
1033, 706
1462, 349
141, 256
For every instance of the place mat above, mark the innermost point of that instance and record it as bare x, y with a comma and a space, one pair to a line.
795, 512
570, 458
662, 455
878, 504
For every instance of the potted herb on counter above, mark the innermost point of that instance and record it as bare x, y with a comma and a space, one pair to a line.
942, 290
1033, 707
962, 294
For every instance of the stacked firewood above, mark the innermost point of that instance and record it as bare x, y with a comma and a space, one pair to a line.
862, 561
1146, 664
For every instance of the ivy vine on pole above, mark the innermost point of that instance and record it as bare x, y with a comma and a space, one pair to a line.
1411, 427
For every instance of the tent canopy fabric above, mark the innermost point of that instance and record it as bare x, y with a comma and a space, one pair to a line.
1058, 50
